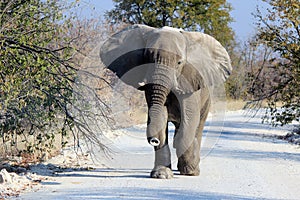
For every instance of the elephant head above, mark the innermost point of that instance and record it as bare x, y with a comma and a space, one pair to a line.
162, 62
192, 59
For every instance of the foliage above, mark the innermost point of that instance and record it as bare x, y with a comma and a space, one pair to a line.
279, 30
250, 78
235, 85
37, 76
211, 17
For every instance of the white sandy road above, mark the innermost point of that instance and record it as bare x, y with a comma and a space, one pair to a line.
243, 164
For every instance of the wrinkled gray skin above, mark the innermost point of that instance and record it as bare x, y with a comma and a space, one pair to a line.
175, 69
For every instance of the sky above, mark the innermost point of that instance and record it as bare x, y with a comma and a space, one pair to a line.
243, 23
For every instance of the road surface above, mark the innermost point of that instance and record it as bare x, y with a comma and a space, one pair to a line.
241, 162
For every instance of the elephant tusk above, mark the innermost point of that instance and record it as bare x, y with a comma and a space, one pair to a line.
142, 84
154, 141
177, 89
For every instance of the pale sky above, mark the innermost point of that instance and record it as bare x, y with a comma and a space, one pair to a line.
243, 25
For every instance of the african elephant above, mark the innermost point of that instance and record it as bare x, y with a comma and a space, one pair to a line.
175, 68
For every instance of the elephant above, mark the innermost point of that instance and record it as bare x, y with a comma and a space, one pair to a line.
175, 69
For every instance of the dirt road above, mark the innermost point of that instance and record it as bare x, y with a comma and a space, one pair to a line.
243, 163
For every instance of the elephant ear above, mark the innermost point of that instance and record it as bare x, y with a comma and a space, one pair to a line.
123, 54
208, 63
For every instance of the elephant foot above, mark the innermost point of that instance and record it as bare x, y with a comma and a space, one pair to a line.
161, 172
189, 171
187, 168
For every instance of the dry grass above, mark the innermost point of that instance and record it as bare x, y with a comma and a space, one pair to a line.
233, 105
18, 150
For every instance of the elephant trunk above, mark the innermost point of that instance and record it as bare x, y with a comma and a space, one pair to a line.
154, 141
160, 80
156, 96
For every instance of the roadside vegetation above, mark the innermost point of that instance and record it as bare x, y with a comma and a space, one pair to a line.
46, 52
43, 102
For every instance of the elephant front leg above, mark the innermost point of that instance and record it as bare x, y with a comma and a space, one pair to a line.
188, 137
157, 131
162, 164
188, 162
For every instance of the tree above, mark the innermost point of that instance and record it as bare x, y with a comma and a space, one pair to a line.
211, 17
280, 31
38, 78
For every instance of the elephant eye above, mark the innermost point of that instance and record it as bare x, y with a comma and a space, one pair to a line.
179, 62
